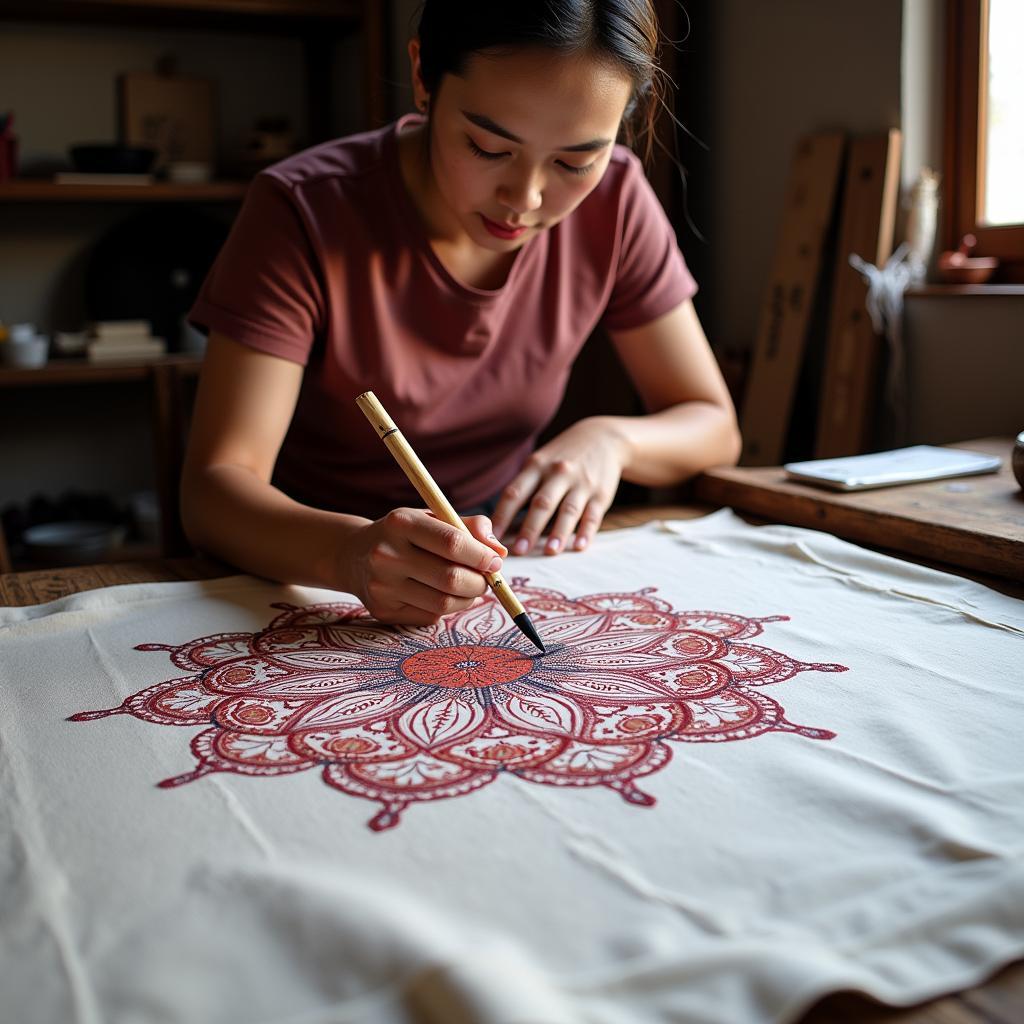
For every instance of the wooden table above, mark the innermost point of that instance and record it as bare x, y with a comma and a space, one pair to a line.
974, 523
1000, 1000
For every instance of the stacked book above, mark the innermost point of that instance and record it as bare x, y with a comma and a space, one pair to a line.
116, 340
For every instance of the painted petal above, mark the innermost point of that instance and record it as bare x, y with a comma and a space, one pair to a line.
690, 681
544, 712
397, 782
257, 715
366, 636
482, 623
499, 748
587, 763
722, 624
444, 720
571, 629
241, 675
317, 615
624, 603
420, 771
691, 645
751, 665
212, 650
611, 644
324, 659
730, 711
349, 707
601, 684
638, 722
349, 743
317, 685
651, 621
263, 751
188, 702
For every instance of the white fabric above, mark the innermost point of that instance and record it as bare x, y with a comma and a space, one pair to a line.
769, 870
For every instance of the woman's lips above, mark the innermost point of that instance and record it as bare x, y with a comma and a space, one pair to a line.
502, 230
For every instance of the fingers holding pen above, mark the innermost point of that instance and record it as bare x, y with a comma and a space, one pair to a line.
416, 568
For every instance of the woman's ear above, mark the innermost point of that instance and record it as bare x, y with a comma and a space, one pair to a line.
419, 91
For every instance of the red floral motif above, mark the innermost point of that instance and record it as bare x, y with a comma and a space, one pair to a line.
399, 715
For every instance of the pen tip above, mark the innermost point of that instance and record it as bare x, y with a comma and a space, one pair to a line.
523, 622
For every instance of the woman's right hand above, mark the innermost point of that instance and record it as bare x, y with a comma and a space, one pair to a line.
411, 568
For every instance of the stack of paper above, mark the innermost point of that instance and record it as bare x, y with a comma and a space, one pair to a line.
114, 340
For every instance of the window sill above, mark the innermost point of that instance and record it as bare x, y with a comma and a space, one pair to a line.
948, 290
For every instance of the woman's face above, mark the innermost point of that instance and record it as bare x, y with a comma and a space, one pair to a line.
518, 141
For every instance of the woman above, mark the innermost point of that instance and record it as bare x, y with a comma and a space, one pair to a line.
454, 263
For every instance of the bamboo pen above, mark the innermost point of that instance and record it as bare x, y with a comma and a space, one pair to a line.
438, 503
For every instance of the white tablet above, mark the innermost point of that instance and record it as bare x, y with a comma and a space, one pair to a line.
886, 469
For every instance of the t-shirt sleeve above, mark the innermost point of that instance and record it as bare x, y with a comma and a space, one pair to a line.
264, 289
652, 278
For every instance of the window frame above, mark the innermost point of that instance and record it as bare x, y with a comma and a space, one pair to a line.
967, 22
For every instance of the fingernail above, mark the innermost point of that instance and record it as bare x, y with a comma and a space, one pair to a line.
554, 546
581, 543
521, 546
491, 536
495, 565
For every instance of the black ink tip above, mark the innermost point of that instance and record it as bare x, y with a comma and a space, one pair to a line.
522, 620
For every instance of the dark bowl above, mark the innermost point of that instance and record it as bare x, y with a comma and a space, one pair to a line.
110, 158
1018, 459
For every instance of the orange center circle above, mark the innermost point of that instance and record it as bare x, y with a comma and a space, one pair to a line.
254, 715
467, 665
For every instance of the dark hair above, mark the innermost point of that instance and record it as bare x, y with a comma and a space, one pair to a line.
624, 31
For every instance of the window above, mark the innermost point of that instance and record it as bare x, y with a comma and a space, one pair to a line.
984, 169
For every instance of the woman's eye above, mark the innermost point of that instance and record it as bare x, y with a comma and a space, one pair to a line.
585, 169
484, 154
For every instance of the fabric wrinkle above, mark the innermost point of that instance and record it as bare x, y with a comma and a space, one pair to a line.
595, 850
42, 884
800, 551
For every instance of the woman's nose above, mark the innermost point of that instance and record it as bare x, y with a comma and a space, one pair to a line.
523, 194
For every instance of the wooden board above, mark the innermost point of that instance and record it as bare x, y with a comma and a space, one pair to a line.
854, 351
172, 114
976, 523
786, 309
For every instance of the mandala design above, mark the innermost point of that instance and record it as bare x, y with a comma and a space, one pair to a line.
399, 715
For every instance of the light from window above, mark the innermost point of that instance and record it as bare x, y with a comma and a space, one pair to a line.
1002, 201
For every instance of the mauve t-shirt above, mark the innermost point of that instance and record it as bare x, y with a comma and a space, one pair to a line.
328, 265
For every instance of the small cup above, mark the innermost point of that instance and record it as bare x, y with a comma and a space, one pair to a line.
29, 354
1018, 459
19, 333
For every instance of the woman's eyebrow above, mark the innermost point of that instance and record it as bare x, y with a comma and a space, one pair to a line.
483, 121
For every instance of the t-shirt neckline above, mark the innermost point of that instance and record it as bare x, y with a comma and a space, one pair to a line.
410, 214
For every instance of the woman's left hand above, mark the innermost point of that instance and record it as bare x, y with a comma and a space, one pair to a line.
569, 483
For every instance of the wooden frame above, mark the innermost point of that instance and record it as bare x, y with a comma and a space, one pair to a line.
967, 23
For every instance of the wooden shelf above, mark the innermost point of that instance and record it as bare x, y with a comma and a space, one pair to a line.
80, 371
978, 290
27, 190
231, 14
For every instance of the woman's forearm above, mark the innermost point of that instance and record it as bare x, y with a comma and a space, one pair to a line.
667, 447
230, 513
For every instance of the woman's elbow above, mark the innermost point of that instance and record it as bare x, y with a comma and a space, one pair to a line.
732, 442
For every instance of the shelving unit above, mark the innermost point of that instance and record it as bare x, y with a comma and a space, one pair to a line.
165, 379
31, 191
318, 25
